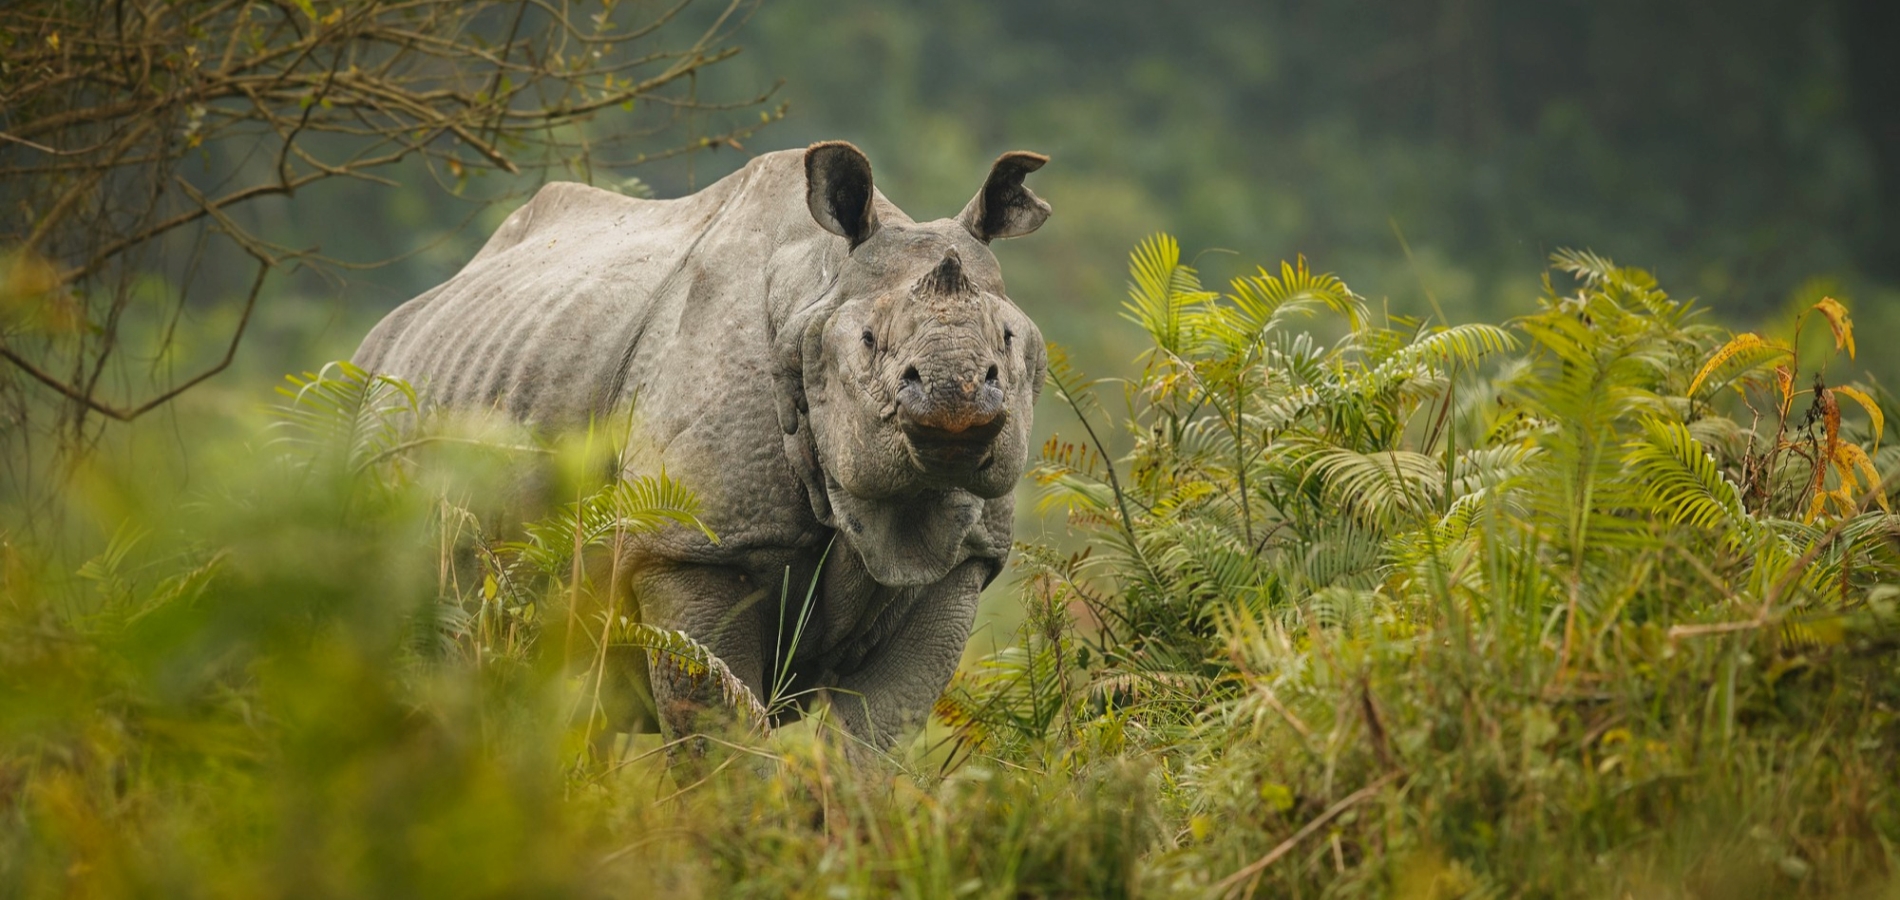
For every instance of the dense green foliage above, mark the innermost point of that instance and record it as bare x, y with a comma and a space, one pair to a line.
1592, 603
1573, 628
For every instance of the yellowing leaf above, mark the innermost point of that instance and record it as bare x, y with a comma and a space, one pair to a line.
1837, 319
1738, 344
1784, 379
1843, 504
1844, 468
1849, 457
1873, 410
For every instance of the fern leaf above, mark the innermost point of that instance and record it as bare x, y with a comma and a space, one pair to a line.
676, 652
1162, 291
1379, 485
649, 502
635, 505
1813, 633
1682, 480
1464, 344
1587, 266
1069, 382
1746, 342
345, 409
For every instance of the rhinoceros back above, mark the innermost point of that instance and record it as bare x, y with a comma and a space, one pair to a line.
550, 321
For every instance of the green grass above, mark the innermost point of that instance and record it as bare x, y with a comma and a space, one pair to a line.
1540, 609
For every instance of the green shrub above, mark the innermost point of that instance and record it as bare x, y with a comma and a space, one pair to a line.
329, 670
1571, 620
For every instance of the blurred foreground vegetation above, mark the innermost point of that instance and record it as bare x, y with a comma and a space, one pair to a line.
1600, 601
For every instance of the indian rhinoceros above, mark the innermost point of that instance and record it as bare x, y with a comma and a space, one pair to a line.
834, 381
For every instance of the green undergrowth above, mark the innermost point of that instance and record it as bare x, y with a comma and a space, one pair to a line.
1601, 601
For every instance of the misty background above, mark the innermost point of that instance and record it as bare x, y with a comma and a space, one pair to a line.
1744, 150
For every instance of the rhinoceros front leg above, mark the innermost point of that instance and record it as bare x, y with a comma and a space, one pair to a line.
894, 689
724, 609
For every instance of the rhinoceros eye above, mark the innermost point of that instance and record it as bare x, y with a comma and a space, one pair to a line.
1008, 337
869, 340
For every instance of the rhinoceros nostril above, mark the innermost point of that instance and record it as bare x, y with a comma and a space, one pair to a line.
911, 376
990, 376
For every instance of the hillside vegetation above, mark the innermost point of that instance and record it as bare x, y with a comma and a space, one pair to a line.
1599, 601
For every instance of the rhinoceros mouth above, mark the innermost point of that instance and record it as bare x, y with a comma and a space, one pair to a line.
939, 450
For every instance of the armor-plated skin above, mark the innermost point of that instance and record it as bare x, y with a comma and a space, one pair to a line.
810, 363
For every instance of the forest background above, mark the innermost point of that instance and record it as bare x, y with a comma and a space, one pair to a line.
1744, 151
1437, 152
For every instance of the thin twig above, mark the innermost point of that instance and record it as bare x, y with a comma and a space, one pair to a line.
127, 415
1226, 885
1763, 615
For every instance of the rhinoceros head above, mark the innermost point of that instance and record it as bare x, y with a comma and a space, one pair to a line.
918, 373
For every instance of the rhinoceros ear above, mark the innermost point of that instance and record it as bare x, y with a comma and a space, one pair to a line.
838, 190
1004, 208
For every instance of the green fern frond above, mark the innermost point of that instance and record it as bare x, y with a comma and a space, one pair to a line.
1381, 485
1682, 481
1260, 303
1587, 266
1340, 608
1494, 467
1466, 345
652, 502
629, 506
1124, 688
1722, 436
1162, 292
346, 410
674, 651
1070, 384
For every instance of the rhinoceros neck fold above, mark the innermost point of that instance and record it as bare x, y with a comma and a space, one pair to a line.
912, 540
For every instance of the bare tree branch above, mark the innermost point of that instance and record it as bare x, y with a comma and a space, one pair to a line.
100, 106
124, 414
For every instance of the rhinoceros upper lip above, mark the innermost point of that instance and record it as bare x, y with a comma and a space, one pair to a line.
924, 436
944, 451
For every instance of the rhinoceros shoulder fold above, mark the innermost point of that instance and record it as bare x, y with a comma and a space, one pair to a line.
557, 202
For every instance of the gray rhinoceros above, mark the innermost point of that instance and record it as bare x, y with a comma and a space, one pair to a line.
833, 380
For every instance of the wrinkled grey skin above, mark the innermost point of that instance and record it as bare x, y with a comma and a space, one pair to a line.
811, 363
